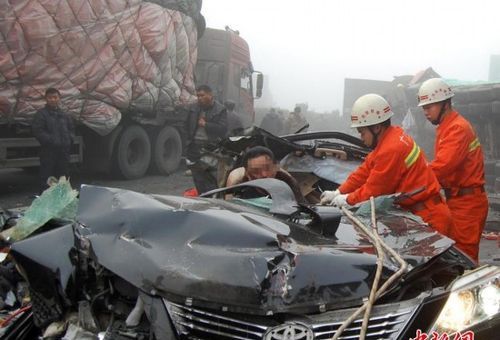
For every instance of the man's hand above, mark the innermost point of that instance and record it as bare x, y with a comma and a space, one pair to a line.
202, 122
328, 196
340, 201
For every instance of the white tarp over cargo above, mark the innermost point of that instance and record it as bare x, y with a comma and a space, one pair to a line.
107, 57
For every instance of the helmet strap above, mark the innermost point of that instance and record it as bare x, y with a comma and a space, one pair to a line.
437, 121
375, 136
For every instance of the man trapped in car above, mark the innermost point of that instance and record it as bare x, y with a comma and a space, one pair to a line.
259, 162
396, 165
206, 123
458, 165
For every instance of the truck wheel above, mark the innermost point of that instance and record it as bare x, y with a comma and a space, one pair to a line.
133, 152
167, 150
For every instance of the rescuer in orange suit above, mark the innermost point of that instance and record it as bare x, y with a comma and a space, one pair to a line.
396, 165
458, 165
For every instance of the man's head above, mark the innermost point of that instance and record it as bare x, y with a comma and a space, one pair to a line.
52, 97
259, 162
297, 110
371, 115
205, 96
434, 96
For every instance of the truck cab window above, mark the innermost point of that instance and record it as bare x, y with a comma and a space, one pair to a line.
245, 80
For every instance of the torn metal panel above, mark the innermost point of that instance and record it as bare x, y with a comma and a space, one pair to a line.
45, 257
332, 169
257, 136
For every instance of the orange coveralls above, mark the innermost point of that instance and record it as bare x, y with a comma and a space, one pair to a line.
459, 167
398, 165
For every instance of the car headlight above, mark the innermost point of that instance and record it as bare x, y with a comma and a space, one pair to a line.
474, 298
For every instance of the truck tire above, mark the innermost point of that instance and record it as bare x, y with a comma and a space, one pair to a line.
167, 150
133, 152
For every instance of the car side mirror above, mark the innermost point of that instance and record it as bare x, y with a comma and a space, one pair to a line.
325, 219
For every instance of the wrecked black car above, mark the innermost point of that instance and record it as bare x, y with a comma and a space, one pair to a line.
166, 267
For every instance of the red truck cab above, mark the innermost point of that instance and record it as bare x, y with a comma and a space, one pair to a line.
224, 64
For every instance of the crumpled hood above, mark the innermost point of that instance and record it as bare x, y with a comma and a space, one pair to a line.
225, 254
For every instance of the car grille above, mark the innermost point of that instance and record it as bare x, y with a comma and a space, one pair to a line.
386, 322
387, 326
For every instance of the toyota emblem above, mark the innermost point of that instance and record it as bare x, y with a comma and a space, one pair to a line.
290, 331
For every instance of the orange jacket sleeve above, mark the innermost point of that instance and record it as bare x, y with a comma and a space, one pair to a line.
383, 178
356, 178
451, 152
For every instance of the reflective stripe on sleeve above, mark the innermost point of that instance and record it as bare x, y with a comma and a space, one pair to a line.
413, 155
474, 144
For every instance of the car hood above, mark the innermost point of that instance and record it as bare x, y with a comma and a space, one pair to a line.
237, 257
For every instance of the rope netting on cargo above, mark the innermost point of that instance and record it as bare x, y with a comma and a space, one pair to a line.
106, 57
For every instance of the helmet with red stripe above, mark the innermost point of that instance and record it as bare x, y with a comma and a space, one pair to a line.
370, 109
434, 90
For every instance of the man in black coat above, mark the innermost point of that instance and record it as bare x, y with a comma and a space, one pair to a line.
273, 123
206, 124
234, 121
54, 129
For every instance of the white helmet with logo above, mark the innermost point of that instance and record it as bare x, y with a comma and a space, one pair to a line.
370, 109
434, 90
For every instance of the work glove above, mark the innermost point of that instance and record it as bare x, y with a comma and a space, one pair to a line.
340, 201
327, 196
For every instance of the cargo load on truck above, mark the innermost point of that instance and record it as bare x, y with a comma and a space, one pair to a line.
127, 71
108, 58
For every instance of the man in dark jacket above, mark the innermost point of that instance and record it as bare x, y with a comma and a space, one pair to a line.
273, 123
234, 122
54, 129
206, 123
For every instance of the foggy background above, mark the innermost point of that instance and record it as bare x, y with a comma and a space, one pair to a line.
306, 48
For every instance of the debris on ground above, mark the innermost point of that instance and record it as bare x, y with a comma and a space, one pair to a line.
58, 201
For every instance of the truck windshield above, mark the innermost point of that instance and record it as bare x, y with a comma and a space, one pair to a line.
246, 80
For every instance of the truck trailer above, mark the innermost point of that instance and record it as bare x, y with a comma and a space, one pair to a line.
127, 71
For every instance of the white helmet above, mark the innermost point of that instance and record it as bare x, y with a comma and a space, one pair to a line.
370, 109
434, 90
